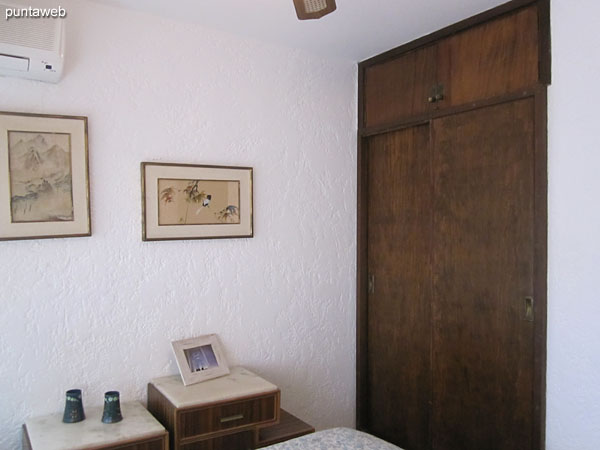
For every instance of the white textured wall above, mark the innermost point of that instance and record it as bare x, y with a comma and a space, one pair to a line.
99, 313
573, 395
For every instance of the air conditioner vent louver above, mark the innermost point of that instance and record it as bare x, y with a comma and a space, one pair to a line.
31, 48
26, 32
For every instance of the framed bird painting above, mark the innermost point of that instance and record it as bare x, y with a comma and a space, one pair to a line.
188, 201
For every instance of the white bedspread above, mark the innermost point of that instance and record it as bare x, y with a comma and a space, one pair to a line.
335, 439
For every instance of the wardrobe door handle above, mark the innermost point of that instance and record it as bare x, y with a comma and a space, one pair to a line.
529, 309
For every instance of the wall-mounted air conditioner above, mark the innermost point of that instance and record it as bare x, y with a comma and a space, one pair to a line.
31, 47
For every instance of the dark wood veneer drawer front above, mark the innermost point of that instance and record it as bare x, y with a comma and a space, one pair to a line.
153, 444
238, 441
228, 416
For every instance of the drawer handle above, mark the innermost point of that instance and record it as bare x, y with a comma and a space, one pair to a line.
232, 418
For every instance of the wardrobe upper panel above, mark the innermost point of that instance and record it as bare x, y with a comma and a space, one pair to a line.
399, 88
484, 61
490, 60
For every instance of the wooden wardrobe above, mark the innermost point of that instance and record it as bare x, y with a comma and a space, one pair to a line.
452, 235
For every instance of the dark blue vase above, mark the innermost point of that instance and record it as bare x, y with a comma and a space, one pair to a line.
112, 408
73, 407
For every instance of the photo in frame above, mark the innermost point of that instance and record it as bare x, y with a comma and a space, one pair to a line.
187, 201
200, 359
44, 187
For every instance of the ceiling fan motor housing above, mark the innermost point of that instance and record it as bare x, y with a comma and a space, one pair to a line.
313, 9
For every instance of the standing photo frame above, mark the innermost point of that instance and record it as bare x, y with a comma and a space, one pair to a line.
200, 359
188, 201
44, 186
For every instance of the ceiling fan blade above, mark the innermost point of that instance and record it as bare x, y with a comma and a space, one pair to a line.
313, 9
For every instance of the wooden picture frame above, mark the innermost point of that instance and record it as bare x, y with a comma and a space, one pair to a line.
44, 182
200, 359
188, 201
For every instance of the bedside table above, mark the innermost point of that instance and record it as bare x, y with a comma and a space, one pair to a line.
219, 414
289, 427
137, 431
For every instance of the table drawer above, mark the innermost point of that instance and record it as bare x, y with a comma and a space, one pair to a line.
153, 444
238, 441
228, 416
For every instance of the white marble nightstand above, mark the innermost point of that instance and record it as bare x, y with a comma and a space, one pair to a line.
138, 429
222, 413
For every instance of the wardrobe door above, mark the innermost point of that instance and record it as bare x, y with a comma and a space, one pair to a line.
483, 250
399, 249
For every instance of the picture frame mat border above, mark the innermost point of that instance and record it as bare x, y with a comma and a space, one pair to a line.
77, 127
152, 231
188, 377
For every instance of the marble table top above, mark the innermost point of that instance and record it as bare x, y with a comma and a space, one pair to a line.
50, 433
239, 383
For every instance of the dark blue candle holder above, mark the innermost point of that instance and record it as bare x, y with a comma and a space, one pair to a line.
112, 408
73, 407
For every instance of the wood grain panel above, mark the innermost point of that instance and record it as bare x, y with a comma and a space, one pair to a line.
399, 88
214, 426
399, 248
254, 411
495, 58
289, 427
237, 441
163, 411
541, 267
152, 444
483, 267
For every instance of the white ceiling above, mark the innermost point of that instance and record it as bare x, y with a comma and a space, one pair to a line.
357, 30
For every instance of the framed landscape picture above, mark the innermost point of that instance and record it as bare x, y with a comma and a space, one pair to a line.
200, 359
44, 187
185, 201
